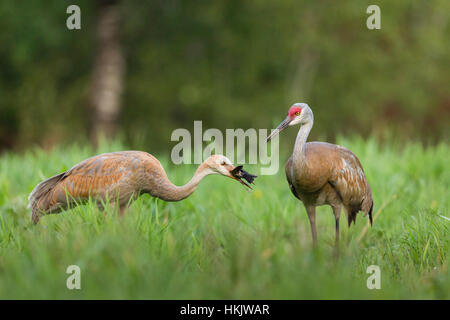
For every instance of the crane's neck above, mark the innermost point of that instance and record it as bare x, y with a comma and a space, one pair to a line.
176, 193
299, 154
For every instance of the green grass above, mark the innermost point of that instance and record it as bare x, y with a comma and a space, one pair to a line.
224, 242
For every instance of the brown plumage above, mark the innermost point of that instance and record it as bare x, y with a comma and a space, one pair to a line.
321, 173
117, 178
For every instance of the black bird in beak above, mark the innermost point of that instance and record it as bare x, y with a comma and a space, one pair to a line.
238, 173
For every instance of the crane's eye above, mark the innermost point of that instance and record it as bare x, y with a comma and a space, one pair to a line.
297, 113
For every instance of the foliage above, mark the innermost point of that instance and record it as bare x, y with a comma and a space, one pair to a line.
223, 242
230, 64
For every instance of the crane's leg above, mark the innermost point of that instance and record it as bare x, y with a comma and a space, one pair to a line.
311, 210
337, 215
115, 206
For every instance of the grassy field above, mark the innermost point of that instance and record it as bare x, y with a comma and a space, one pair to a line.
224, 242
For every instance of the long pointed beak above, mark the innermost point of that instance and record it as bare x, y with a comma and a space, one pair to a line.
283, 125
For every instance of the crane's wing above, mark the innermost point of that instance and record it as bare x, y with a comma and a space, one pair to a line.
350, 182
288, 169
99, 174
91, 177
348, 177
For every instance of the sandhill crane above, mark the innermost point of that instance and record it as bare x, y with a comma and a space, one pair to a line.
119, 177
321, 173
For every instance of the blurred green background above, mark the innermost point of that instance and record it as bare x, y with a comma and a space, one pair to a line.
229, 63
137, 70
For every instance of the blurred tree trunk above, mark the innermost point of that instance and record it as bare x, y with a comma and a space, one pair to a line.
107, 76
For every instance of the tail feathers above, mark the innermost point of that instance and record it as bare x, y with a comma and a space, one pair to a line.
370, 214
351, 217
352, 212
37, 198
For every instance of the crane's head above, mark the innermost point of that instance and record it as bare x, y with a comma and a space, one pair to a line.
299, 113
219, 164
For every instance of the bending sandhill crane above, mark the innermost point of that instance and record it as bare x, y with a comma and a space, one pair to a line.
119, 177
321, 173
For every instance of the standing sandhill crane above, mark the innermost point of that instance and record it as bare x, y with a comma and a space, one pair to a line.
119, 177
321, 173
